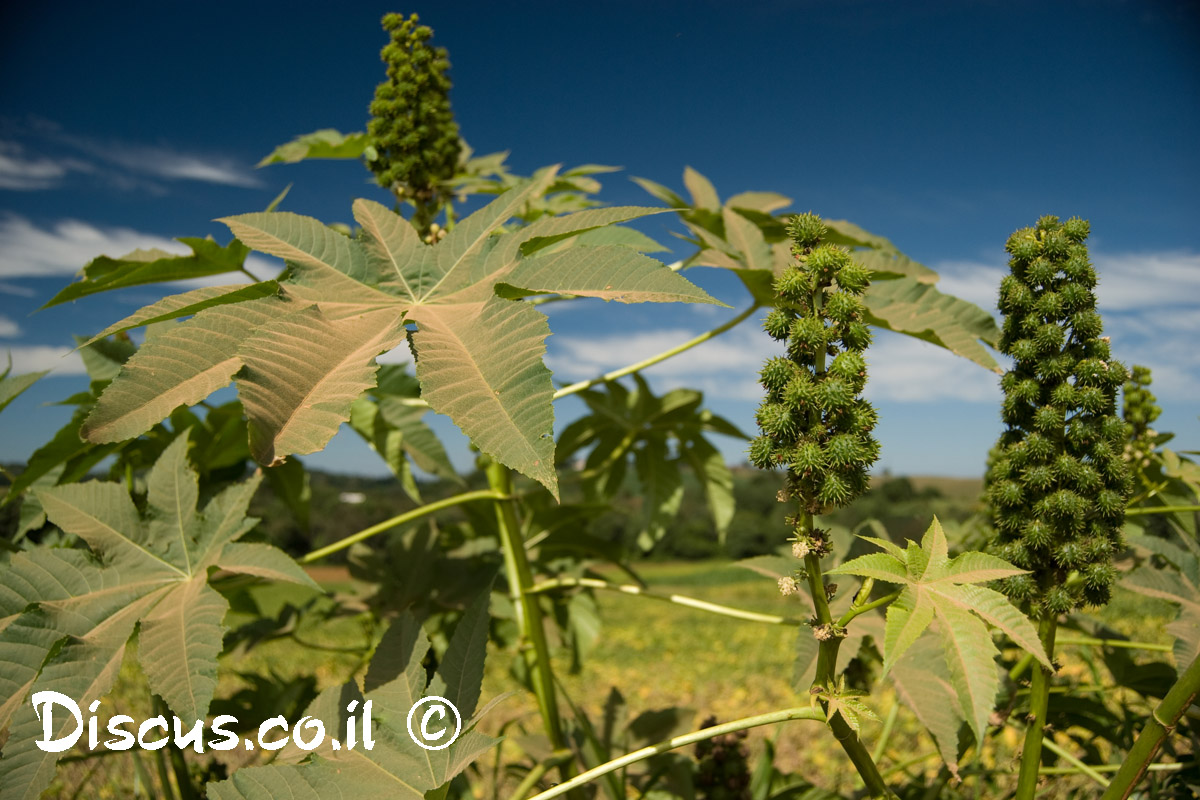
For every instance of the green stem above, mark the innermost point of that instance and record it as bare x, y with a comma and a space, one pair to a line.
160, 756
804, 712
690, 602
575, 388
407, 516
888, 724
534, 775
1039, 702
249, 274
1093, 642
1137, 512
1018, 669
652, 360
1162, 722
874, 604
827, 651
1083, 768
896, 769
536, 650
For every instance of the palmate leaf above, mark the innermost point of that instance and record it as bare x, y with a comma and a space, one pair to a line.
939, 587
325, 143
154, 266
660, 434
302, 357
65, 615
13, 385
742, 236
1175, 583
395, 766
906, 305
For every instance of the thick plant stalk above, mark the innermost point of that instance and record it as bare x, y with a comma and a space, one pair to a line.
1039, 703
827, 652
529, 614
1164, 719
815, 423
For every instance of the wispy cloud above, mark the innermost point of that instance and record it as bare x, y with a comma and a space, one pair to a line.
21, 173
38, 357
65, 247
8, 328
16, 290
1150, 302
902, 369
168, 164
125, 165
1127, 281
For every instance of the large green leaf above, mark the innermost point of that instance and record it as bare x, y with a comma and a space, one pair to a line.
741, 235
186, 304
13, 385
396, 766
65, 615
154, 266
660, 435
325, 143
302, 358
180, 367
906, 305
1177, 583
939, 587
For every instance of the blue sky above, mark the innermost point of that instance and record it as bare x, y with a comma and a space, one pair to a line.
943, 126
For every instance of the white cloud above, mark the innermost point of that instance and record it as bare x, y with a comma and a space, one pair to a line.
1150, 302
163, 162
19, 173
16, 290
8, 328
125, 165
724, 367
1127, 281
38, 357
26, 249
397, 355
902, 369
971, 280
1142, 280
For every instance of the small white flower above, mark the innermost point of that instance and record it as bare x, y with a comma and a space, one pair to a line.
788, 586
800, 549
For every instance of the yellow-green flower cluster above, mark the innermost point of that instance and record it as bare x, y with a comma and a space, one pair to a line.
1057, 483
814, 421
413, 132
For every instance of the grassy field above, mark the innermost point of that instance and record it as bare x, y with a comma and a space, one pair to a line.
657, 654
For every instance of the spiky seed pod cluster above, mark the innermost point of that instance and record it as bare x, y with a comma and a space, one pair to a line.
1139, 410
813, 419
723, 772
412, 128
1057, 482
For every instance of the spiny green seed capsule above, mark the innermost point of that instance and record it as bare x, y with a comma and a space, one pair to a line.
1139, 410
412, 128
813, 421
1056, 481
